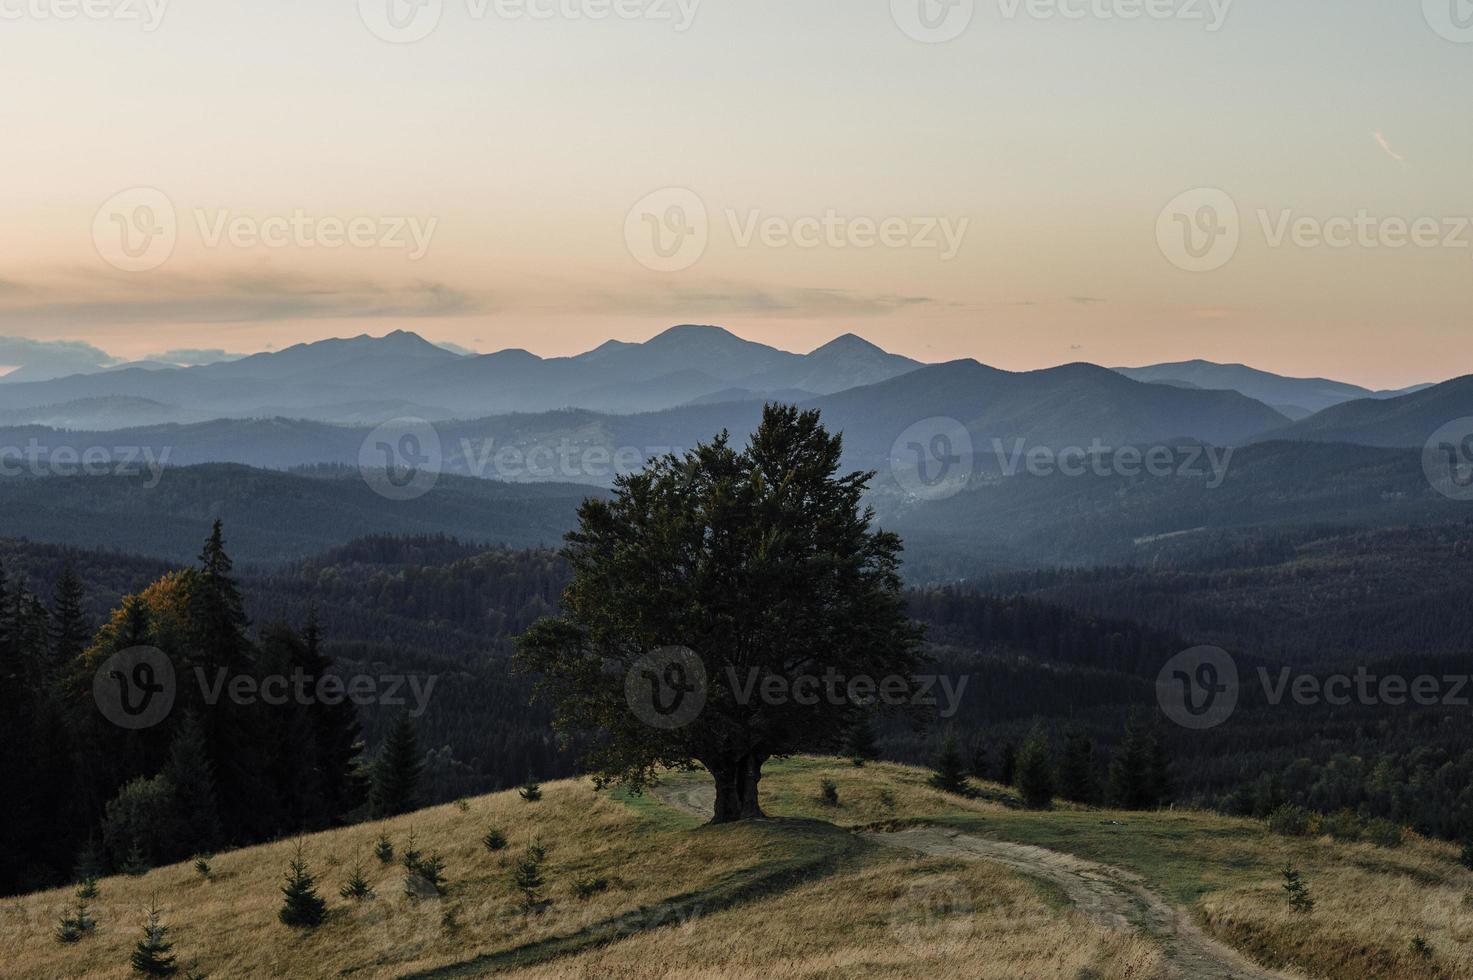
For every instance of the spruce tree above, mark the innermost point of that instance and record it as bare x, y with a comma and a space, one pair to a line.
396, 772
981, 761
494, 840
1036, 772
301, 906
69, 627
1297, 892
1008, 764
1077, 769
1135, 779
357, 887
949, 773
531, 791
861, 746
383, 849
528, 878
197, 826
153, 955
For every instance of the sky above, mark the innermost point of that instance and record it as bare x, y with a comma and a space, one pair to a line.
1026, 182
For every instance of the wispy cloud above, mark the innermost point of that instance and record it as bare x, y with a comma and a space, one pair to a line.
1385, 144
75, 299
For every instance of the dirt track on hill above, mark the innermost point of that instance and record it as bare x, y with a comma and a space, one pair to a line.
1111, 896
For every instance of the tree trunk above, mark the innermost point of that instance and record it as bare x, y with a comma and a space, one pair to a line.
736, 788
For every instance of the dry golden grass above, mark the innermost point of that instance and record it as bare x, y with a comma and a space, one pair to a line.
794, 897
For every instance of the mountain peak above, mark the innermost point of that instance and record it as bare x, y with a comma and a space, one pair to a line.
848, 343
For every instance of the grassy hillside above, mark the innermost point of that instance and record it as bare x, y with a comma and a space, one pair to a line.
803, 895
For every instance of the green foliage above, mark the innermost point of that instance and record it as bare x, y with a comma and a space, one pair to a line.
426, 877
861, 745
383, 849
1343, 826
1077, 769
356, 887
1421, 949
397, 771
202, 866
528, 878
949, 774
1297, 892
530, 792
494, 840
301, 906
828, 793
75, 922
1292, 821
586, 888
1036, 772
1384, 833
740, 557
153, 955
1465, 855
1138, 772
1007, 765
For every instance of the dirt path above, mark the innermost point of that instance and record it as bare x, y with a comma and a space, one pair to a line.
1108, 895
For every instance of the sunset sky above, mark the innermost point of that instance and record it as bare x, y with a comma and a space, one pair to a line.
518, 145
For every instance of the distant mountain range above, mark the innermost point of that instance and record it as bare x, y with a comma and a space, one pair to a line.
1296, 398
367, 379
315, 403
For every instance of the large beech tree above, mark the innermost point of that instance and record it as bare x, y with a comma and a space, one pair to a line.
763, 562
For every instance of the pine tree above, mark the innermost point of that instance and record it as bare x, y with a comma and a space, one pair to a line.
1008, 764
531, 791
528, 878
1297, 891
426, 878
1077, 769
861, 746
69, 627
397, 771
301, 905
383, 849
75, 922
153, 956
950, 774
202, 866
1036, 772
494, 840
357, 887
337, 734
1137, 770
981, 761
197, 826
